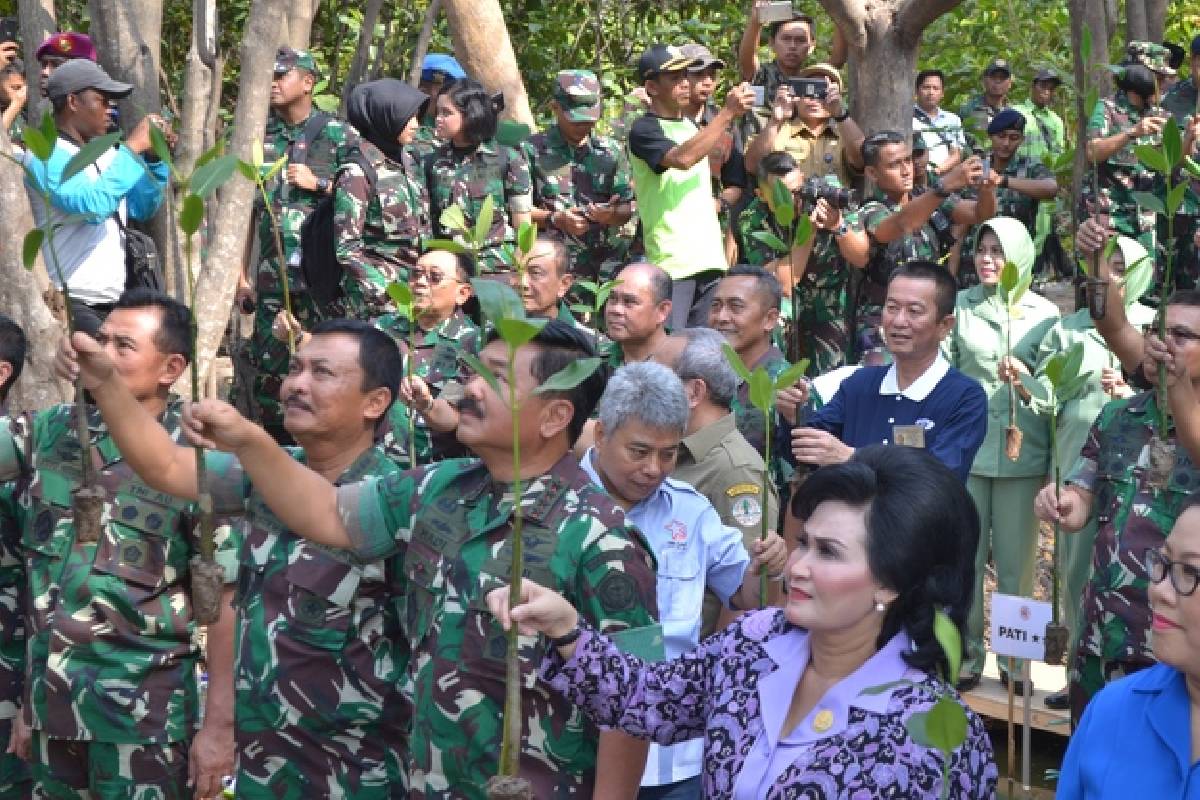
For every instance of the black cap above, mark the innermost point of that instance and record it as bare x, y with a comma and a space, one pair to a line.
660, 58
1007, 119
79, 74
1175, 55
1045, 75
998, 65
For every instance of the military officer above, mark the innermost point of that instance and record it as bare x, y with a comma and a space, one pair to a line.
979, 109
581, 187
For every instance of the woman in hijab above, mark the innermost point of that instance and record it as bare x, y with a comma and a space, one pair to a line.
381, 204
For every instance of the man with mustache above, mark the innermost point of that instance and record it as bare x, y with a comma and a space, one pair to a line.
450, 525
319, 651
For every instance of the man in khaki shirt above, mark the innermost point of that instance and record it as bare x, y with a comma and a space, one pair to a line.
714, 457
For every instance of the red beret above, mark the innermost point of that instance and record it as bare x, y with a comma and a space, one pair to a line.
68, 45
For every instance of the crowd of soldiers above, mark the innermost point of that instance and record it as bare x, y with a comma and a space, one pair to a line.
354, 655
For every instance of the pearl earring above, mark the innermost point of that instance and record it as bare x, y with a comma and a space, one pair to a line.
880, 607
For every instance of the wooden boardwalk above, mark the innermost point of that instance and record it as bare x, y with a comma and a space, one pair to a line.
990, 698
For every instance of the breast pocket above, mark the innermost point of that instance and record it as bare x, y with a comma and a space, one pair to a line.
321, 590
680, 584
135, 545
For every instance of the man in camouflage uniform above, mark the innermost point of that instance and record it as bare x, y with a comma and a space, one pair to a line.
818, 272
546, 283
581, 186
1022, 181
293, 194
904, 228
1118, 125
1183, 103
979, 109
14, 772
320, 651
441, 285
451, 523
379, 224
111, 694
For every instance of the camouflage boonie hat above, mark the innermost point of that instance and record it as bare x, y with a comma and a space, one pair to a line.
578, 92
287, 59
1151, 55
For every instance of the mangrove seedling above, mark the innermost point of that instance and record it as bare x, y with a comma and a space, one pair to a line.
1014, 282
261, 174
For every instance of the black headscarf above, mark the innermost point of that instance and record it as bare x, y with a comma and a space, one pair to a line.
380, 109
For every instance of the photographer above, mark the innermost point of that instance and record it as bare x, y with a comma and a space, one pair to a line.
816, 276
903, 228
12, 98
810, 120
86, 245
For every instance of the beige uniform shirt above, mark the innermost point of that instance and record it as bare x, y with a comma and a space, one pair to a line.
818, 153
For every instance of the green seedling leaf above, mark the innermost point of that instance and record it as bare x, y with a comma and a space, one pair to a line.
804, 231
1014, 281
790, 375
887, 687
1084, 267
401, 294
526, 237
208, 178
516, 331
256, 154
211, 153
1172, 140
1175, 197
1072, 363
1089, 102
762, 390
580, 308
452, 219
784, 204
33, 243
1150, 201
512, 133
1110, 245
1035, 388
89, 153
1191, 167
1074, 387
1138, 280
735, 361
570, 376
1085, 45
483, 225
448, 245
948, 636
249, 171
192, 214
1152, 158
37, 143
771, 240
275, 168
498, 301
479, 368
158, 143
943, 727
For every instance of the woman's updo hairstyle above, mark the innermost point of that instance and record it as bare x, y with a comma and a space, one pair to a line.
1139, 79
922, 530
478, 108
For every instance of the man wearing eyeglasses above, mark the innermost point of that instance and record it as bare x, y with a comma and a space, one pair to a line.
441, 285
1110, 480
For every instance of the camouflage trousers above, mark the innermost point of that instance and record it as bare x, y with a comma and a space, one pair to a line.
1089, 674
824, 330
14, 773
69, 769
269, 358
276, 764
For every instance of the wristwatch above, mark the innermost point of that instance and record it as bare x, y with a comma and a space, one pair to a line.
323, 185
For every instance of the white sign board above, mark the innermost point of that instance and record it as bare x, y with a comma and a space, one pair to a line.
1019, 626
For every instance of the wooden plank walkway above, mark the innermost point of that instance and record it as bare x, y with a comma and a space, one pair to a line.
990, 698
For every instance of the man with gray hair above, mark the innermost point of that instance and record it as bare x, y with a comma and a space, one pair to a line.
643, 415
715, 457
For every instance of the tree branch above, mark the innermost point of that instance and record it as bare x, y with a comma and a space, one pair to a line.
914, 16
423, 39
850, 16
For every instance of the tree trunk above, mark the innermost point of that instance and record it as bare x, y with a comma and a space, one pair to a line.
218, 279
1094, 15
362, 53
427, 26
884, 38
37, 20
482, 46
298, 31
1156, 20
21, 297
1136, 24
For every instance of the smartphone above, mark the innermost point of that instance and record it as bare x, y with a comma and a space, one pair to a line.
760, 95
987, 170
774, 11
10, 30
808, 88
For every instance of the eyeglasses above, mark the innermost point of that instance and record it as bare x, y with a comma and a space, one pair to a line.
1184, 577
432, 277
1183, 335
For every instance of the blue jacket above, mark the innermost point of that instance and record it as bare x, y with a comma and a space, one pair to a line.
96, 196
1134, 741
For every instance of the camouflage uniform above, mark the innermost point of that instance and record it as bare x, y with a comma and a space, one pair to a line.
437, 363
1181, 103
1122, 174
1011, 203
819, 299
752, 424
565, 177
451, 523
291, 206
976, 115
1131, 517
14, 773
111, 684
467, 179
923, 244
378, 234
319, 654
425, 141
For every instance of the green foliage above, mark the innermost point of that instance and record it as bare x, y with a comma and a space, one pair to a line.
212, 174
1014, 282
599, 293
947, 635
192, 214
570, 376
31, 246
1139, 277
88, 154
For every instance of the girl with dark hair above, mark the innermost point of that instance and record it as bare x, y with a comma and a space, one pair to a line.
381, 204
781, 696
471, 166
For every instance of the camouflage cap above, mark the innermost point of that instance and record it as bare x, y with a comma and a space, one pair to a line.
1150, 55
287, 59
578, 92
